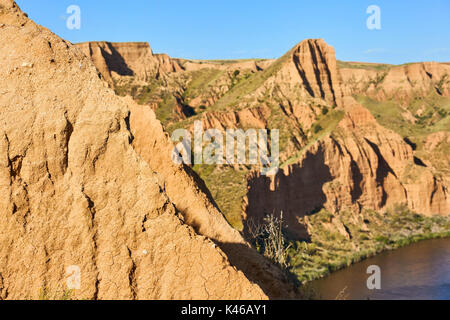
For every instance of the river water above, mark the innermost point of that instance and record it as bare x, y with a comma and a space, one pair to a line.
419, 271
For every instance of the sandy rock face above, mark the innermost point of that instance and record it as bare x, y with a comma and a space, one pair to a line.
249, 118
316, 64
128, 59
76, 193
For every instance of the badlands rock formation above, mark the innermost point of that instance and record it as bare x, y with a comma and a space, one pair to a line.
299, 84
316, 64
399, 82
128, 59
354, 137
86, 181
335, 154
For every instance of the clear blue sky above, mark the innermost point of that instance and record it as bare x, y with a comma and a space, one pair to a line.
415, 30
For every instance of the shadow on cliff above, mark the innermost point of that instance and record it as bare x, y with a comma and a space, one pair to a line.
116, 62
276, 283
383, 170
295, 194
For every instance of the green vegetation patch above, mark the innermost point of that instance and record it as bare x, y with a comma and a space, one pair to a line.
364, 65
201, 80
228, 186
164, 112
255, 81
330, 250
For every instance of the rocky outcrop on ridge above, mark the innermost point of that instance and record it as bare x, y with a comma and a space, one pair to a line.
128, 59
401, 83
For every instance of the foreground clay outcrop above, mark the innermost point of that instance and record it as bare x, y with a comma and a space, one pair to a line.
86, 181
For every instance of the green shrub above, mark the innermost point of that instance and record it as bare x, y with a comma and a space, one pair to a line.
317, 128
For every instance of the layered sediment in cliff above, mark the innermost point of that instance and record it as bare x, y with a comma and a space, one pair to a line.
128, 59
87, 183
317, 67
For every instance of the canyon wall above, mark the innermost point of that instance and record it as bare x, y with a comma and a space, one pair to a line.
358, 164
361, 165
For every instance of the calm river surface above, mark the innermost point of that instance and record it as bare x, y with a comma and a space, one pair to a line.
419, 271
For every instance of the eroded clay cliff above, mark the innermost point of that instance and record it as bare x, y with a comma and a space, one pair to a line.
86, 180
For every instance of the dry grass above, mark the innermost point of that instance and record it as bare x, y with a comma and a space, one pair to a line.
270, 240
46, 293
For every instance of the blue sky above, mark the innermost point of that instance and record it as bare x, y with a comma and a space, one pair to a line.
414, 30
